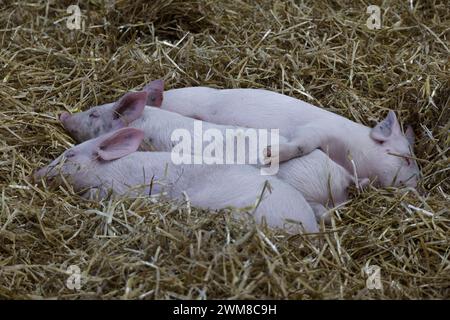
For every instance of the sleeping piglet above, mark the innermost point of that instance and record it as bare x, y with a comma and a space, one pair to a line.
110, 163
321, 181
382, 153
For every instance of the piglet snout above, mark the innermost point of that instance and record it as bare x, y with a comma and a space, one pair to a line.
64, 116
36, 176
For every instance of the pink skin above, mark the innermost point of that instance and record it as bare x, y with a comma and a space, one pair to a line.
113, 116
155, 91
322, 182
109, 163
382, 153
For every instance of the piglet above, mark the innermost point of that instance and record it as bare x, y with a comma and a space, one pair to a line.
321, 181
110, 163
382, 153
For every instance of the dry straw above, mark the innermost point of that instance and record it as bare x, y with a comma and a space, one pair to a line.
319, 51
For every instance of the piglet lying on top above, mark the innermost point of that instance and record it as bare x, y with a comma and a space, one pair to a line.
110, 163
382, 153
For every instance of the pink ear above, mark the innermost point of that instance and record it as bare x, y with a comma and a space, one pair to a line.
155, 84
386, 128
131, 106
120, 143
155, 91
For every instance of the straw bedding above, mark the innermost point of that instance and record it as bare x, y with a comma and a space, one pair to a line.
318, 51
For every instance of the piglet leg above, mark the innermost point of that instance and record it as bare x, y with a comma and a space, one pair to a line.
305, 140
320, 212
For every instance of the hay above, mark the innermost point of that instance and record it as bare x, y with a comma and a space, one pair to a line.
319, 51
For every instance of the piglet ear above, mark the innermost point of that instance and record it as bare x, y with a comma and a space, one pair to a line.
155, 91
131, 106
119, 144
409, 134
386, 128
